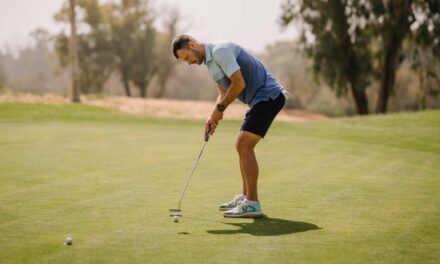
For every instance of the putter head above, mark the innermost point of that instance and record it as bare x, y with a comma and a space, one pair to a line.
175, 210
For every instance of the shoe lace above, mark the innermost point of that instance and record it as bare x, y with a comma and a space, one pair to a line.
237, 199
241, 205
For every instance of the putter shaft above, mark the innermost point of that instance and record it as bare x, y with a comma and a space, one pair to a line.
192, 172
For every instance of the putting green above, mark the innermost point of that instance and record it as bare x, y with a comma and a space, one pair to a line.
353, 190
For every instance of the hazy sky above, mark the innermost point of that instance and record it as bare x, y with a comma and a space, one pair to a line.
251, 23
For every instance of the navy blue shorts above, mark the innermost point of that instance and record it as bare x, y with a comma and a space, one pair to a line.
260, 116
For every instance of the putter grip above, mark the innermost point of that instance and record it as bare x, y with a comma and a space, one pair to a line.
207, 134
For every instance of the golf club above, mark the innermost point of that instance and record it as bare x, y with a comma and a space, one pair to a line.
192, 171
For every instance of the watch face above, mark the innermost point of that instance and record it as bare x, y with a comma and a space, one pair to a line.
220, 107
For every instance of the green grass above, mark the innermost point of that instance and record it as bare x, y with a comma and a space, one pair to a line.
355, 190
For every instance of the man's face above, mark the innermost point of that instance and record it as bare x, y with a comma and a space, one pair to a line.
190, 56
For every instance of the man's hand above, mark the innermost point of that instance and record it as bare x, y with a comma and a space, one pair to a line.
212, 121
210, 126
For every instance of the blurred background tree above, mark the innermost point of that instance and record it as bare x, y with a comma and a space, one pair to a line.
336, 37
391, 22
32, 68
132, 38
123, 22
73, 54
144, 66
142, 36
292, 68
424, 50
2, 77
352, 42
95, 56
166, 61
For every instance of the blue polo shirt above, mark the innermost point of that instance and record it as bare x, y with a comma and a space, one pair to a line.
225, 58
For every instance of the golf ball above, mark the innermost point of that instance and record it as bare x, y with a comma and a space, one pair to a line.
69, 241
175, 218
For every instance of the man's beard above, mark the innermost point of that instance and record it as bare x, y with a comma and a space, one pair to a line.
198, 55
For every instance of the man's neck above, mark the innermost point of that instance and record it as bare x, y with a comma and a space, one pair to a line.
203, 51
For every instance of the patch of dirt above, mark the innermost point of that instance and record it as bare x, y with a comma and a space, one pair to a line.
162, 108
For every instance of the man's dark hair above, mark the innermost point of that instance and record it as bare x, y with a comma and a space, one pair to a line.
181, 42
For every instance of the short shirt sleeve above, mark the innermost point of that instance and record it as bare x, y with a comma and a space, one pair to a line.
226, 60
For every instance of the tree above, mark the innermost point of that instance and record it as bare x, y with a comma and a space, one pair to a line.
394, 22
377, 30
391, 21
95, 57
284, 60
336, 37
3, 77
144, 66
425, 50
30, 68
131, 27
73, 54
133, 38
124, 22
166, 61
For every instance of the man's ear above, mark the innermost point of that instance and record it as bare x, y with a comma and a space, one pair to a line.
191, 45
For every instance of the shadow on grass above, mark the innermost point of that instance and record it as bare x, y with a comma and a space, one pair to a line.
266, 226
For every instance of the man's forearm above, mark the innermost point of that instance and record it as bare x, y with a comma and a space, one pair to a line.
219, 99
230, 95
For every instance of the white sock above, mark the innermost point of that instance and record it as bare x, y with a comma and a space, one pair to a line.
252, 202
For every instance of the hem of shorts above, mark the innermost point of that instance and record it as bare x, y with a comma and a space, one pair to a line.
241, 129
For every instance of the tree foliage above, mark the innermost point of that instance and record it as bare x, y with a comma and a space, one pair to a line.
30, 68
127, 20
144, 66
356, 41
165, 59
425, 49
391, 22
114, 36
334, 34
95, 58
2, 77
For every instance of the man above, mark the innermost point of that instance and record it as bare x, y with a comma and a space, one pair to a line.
239, 75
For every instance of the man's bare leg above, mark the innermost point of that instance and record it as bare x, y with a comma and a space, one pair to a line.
245, 145
244, 192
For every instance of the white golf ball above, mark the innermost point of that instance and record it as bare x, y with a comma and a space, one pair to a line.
69, 241
176, 218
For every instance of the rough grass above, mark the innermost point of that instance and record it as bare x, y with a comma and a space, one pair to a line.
355, 190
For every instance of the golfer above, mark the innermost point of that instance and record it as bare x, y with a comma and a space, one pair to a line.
239, 75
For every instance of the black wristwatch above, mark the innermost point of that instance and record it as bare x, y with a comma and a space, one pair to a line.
221, 107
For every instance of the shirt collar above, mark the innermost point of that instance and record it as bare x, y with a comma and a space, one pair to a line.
208, 55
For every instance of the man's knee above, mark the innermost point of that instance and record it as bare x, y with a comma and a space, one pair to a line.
243, 147
246, 143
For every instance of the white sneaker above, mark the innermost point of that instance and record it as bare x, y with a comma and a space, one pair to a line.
229, 205
245, 209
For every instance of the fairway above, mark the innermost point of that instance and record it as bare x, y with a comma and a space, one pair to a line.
351, 190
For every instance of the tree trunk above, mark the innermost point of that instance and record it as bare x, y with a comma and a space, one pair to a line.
422, 100
126, 83
359, 95
143, 90
73, 55
388, 76
399, 27
361, 101
162, 86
